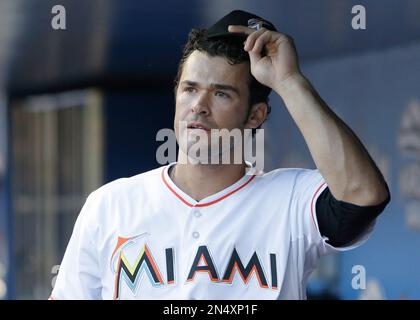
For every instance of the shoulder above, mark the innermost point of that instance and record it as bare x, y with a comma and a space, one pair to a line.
290, 175
293, 181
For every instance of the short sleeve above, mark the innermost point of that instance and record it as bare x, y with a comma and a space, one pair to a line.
78, 277
308, 187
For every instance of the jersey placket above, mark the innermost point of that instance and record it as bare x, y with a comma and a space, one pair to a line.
193, 236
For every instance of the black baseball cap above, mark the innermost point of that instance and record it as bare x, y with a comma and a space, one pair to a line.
237, 17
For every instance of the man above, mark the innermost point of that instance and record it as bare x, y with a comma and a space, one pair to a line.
194, 230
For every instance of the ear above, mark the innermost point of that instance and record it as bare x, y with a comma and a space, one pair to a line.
257, 115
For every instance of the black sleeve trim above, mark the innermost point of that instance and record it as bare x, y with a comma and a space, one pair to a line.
343, 222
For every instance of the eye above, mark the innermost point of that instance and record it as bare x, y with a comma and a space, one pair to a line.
189, 89
221, 94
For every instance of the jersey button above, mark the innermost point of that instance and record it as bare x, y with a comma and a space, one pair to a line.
195, 235
197, 213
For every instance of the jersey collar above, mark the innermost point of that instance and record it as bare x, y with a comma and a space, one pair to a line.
217, 197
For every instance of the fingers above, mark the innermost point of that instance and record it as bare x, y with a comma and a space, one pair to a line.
250, 41
257, 39
252, 34
254, 57
240, 29
257, 43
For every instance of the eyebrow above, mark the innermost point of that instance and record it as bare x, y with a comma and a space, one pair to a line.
213, 85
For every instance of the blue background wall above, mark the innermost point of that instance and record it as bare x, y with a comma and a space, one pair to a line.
5, 223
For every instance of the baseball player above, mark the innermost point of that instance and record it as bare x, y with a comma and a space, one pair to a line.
210, 231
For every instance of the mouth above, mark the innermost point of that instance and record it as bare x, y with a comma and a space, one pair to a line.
197, 126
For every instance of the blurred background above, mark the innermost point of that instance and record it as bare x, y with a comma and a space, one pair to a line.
81, 107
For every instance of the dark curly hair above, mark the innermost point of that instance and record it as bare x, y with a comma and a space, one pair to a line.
230, 48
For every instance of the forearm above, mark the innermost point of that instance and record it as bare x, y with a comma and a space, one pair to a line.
349, 171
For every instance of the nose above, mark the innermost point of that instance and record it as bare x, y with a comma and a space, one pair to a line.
200, 105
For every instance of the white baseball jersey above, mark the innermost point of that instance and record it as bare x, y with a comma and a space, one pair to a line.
144, 238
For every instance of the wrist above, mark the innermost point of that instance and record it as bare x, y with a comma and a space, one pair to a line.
291, 84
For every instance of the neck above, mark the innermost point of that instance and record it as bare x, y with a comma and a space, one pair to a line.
202, 180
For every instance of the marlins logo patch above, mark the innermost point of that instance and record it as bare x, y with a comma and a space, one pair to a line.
257, 24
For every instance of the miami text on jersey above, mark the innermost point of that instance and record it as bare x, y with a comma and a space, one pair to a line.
130, 273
